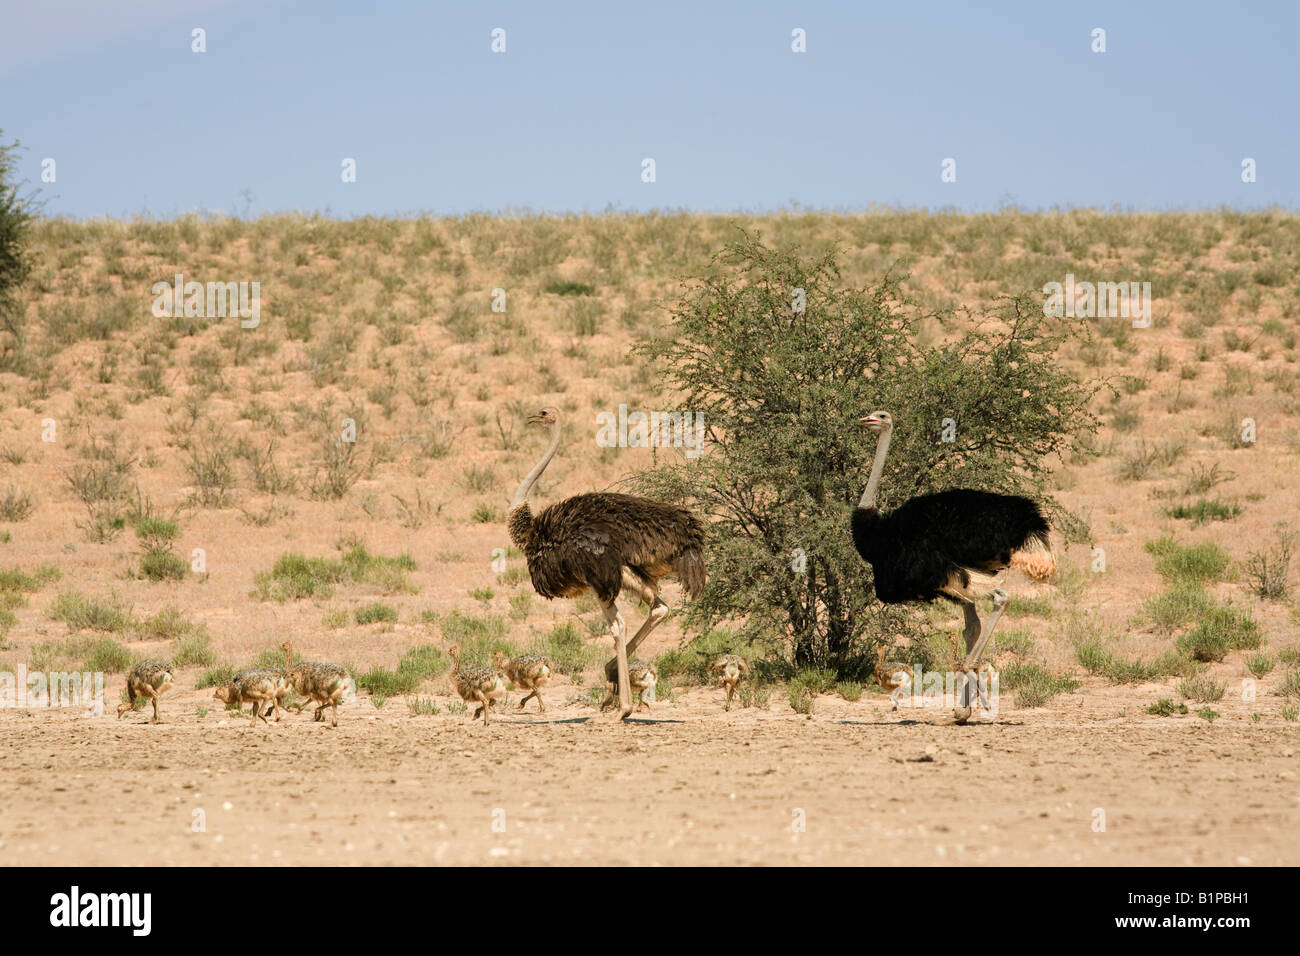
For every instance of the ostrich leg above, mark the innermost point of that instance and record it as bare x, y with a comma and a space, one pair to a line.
986, 632
658, 611
973, 653
619, 630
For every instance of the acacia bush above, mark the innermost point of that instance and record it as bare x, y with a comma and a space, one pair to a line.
16, 214
781, 392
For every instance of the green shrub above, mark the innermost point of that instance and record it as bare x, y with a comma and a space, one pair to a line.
1094, 656
849, 690
82, 613
108, 656
425, 661
193, 650
1202, 689
1259, 665
1033, 684
16, 505
1165, 707
801, 697
378, 611
477, 636
163, 566
295, 576
1221, 629
738, 352
167, 625
1203, 510
754, 693
1191, 564
381, 682
568, 287
568, 651
16, 580
1180, 604
217, 676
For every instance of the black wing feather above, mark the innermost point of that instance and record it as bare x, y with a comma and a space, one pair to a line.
915, 549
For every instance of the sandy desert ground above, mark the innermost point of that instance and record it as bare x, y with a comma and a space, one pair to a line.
685, 785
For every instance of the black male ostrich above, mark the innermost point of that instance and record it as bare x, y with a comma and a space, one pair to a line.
953, 545
604, 542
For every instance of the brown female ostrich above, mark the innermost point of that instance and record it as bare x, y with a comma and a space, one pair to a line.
952, 545
604, 543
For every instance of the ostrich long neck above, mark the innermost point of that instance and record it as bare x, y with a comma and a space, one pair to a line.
877, 469
530, 479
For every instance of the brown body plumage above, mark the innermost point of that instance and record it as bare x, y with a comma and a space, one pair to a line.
257, 687
605, 543
326, 684
481, 685
729, 670
642, 677
529, 672
148, 679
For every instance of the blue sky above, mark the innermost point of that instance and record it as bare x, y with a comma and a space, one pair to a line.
436, 122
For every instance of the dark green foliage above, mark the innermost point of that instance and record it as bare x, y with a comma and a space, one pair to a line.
568, 287
15, 215
1220, 630
781, 394
1165, 707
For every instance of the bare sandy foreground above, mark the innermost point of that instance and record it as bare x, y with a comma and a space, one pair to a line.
687, 784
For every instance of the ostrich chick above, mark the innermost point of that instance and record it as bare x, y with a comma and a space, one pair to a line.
529, 672
476, 684
257, 687
891, 675
326, 684
148, 679
642, 677
730, 670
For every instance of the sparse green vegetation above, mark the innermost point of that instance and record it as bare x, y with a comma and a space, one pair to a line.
1184, 564
295, 576
1220, 630
376, 612
1165, 707
1202, 688
1034, 684
108, 656
16, 505
82, 613
1203, 510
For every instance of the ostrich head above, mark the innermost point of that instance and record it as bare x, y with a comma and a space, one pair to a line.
547, 417
878, 421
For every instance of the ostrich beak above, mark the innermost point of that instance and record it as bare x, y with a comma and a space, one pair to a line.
871, 421
536, 419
